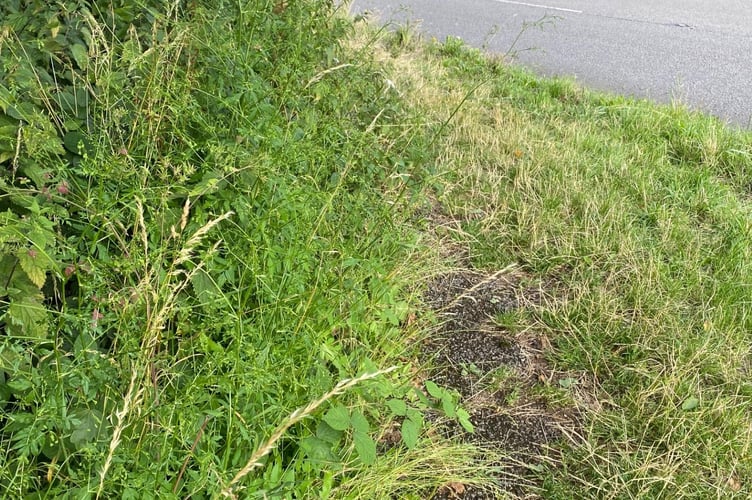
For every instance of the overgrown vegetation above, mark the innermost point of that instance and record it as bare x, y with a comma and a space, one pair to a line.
202, 231
219, 223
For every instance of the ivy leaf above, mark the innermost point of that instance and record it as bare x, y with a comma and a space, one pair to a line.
410, 432
338, 418
365, 446
397, 407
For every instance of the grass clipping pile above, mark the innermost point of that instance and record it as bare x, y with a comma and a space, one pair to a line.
498, 372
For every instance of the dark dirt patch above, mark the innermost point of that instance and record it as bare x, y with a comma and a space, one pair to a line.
469, 350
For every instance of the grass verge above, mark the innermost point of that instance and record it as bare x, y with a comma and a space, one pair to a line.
634, 219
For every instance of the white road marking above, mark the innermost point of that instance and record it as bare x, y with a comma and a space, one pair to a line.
540, 6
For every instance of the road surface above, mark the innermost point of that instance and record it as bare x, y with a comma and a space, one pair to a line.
698, 52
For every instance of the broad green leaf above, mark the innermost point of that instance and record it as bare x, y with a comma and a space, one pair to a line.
76, 142
422, 398
21, 112
9, 132
28, 318
325, 432
359, 422
434, 390
338, 418
410, 432
317, 449
87, 427
203, 286
5, 392
32, 262
397, 407
365, 446
19, 385
41, 237
80, 55
415, 416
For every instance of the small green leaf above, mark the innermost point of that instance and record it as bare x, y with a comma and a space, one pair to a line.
410, 432
415, 416
317, 449
423, 400
325, 432
463, 417
397, 407
434, 390
690, 403
359, 422
80, 55
536, 467
338, 418
365, 446
448, 405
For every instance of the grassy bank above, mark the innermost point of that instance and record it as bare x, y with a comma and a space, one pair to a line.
239, 243
634, 222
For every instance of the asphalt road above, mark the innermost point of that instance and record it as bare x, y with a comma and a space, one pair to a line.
698, 52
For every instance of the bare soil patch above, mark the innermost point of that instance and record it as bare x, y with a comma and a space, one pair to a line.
496, 371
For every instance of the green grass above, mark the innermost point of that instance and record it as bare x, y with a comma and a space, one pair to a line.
638, 217
213, 255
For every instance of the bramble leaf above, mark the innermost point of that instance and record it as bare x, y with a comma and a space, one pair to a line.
27, 317
32, 262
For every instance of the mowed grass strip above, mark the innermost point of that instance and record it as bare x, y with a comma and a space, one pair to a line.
640, 215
